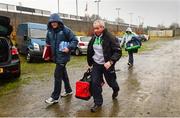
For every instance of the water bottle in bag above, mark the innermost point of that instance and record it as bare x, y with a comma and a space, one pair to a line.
63, 45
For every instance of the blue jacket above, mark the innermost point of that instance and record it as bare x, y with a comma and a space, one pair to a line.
126, 38
56, 36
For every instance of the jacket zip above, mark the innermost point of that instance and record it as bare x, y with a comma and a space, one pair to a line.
55, 37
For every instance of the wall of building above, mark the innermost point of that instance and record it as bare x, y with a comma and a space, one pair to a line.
161, 33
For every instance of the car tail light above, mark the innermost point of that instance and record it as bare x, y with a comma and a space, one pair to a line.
14, 51
81, 44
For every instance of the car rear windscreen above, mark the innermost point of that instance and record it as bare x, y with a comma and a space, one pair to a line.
85, 39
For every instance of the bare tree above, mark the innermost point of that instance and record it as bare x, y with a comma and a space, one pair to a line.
95, 17
161, 26
119, 20
174, 25
86, 18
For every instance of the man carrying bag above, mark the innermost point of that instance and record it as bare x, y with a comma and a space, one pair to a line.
102, 54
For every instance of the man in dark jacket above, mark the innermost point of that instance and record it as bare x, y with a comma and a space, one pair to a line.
62, 41
102, 54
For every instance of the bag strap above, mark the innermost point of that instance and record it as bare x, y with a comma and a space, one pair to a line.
86, 75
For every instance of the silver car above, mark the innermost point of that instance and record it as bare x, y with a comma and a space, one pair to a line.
83, 42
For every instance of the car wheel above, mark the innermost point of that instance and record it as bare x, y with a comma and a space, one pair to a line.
77, 52
28, 57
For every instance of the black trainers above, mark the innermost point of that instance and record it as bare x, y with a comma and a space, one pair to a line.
95, 108
115, 94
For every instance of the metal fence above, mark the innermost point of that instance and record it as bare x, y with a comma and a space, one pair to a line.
26, 10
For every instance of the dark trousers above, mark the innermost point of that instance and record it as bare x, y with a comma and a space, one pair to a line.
131, 59
59, 75
97, 80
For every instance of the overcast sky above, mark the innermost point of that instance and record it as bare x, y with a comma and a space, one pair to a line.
152, 12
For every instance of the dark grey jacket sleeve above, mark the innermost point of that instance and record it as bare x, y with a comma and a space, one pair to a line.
117, 52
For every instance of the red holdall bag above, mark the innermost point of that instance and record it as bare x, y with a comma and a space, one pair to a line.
83, 87
82, 90
47, 54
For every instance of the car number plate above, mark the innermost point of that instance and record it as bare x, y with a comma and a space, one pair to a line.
1, 70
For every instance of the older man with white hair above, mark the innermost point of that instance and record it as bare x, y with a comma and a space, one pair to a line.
102, 54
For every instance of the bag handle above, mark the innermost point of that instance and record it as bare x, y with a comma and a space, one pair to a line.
86, 74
